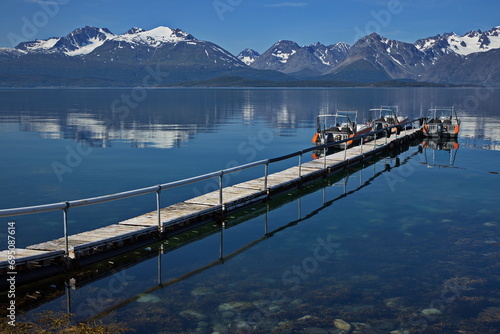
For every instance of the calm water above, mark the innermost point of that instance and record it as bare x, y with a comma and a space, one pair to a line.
412, 248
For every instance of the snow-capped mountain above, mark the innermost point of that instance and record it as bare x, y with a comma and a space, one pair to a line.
441, 59
472, 42
302, 61
330, 55
78, 42
95, 56
248, 56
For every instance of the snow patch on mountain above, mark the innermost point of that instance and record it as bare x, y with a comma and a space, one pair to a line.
248, 56
471, 42
94, 43
154, 37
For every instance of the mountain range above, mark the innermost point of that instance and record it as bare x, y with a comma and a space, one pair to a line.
92, 56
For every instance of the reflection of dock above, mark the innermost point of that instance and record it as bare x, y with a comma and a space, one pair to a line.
36, 295
80, 249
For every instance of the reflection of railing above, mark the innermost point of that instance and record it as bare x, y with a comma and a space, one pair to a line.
65, 206
159, 249
267, 234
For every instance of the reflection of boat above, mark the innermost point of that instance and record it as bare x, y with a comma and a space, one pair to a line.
336, 127
441, 122
444, 151
385, 116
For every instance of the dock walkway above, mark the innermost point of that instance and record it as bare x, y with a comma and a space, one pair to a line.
180, 216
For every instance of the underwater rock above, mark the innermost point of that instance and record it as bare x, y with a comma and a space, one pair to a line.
240, 327
315, 330
193, 315
431, 311
235, 306
297, 302
148, 298
307, 317
202, 291
220, 328
228, 314
395, 303
490, 224
341, 324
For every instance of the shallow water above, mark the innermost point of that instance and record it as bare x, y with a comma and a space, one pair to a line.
412, 248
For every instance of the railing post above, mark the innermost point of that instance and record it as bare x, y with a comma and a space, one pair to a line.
362, 140
220, 190
160, 227
266, 174
324, 157
300, 164
345, 150
65, 219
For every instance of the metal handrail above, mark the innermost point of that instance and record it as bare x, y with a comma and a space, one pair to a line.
122, 195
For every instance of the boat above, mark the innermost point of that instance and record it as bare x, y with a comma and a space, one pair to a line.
331, 128
384, 117
441, 122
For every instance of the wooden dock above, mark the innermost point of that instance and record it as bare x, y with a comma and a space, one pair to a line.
83, 248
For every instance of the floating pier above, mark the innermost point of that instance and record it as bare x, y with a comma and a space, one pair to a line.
73, 251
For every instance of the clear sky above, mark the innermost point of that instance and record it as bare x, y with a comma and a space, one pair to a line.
257, 24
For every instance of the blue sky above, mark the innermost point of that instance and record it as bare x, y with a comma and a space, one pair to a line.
257, 24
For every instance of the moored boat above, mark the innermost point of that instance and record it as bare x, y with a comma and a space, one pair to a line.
441, 122
336, 127
384, 117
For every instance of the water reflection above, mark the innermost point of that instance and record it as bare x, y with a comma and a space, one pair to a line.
170, 117
443, 151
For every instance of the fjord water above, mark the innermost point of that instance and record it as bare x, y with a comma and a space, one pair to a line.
409, 248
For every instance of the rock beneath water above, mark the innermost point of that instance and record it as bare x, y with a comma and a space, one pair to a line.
341, 324
395, 303
431, 311
228, 314
490, 224
202, 291
193, 315
307, 317
148, 298
235, 306
240, 327
315, 330
220, 328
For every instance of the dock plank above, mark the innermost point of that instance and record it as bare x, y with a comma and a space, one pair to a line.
25, 255
231, 196
96, 238
172, 214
